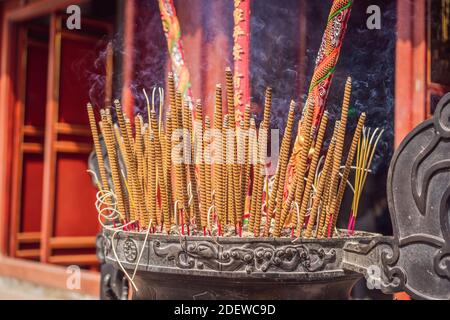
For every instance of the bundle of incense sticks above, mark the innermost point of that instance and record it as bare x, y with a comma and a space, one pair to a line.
187, 177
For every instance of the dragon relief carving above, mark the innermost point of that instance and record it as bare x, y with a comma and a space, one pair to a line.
263, 258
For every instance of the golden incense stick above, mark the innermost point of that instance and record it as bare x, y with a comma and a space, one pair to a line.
219, 172
327, 177
254, 161
140, 167
187, 124
97, 148
199, 159
114, 165
151, 188
236, 167
180, 168
208, 166
300, 169
162, 183
312, 173
245, 175
337, 201
276, 195
261, 165
168, 158
320, 189
336, 205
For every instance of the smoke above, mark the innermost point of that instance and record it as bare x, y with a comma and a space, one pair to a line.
276, 35
275, 44
367, 55
149, 58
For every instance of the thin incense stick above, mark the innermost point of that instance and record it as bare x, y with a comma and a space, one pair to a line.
162, 182
113, 163
312, 173
187, 123
300, 170
236, 167
278, 187
330, 225
261, 165
98, 149
245, 176
337, 158
317, 197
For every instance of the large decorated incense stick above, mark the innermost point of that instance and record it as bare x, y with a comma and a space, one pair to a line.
172, 31
326, 62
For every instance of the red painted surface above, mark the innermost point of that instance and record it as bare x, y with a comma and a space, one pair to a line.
75, 198
31, 193
36, 86
77, 61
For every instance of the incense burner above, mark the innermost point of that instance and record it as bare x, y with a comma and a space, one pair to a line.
185, 267
416, 259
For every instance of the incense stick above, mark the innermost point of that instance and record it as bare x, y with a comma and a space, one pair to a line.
312, 173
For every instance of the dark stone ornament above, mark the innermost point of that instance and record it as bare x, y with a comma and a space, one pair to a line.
419, 202
130, 250
206, 255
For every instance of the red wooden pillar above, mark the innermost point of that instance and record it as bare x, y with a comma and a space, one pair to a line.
410, 73
128, 59
48, 196
241, 53
6, 96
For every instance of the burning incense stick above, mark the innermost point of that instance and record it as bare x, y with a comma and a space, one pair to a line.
365, 152
139, 151
311, 174
219, 171
261, 164
331, 222
168, 158
276, 195
208, 166
151, 188
187, 123
326, 175
245, 176
252, 158
161, 178
199, 159
337, 156
113, 163
236, 167
320, 188
180, 169
98, 149
300, 170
